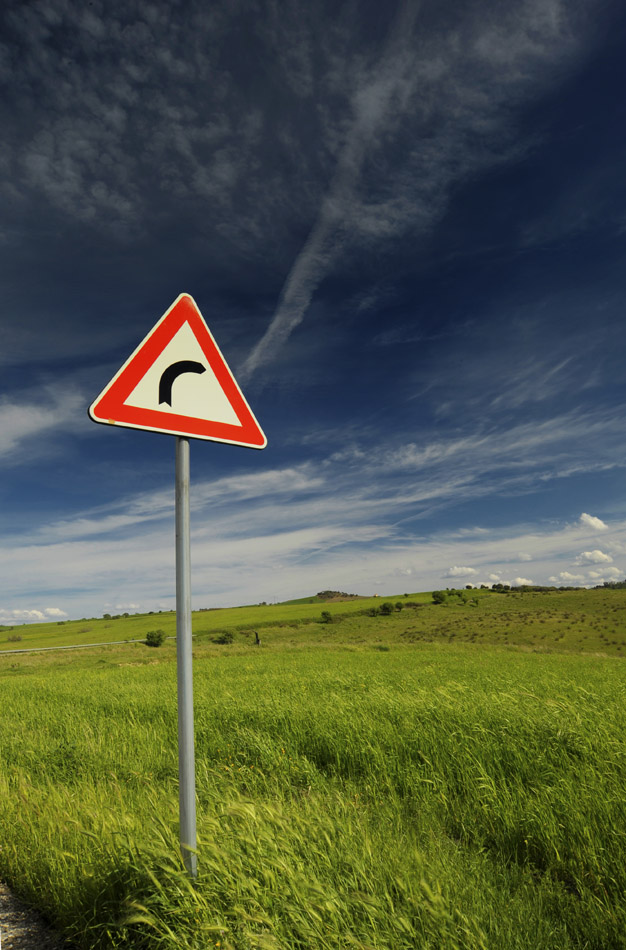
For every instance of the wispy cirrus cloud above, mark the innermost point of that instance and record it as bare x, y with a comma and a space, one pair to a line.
276, 487
25, 425
353, 514
390, 484
445, 98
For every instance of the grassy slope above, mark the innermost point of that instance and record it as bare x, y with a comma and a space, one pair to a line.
580, 621
204, 622
375, 782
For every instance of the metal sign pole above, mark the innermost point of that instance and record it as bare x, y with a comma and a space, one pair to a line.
217, 412
186, 764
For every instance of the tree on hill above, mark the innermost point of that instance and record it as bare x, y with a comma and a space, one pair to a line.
154, 638
333, 594
450, 596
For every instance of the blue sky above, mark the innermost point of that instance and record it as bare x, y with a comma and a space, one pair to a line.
405, 225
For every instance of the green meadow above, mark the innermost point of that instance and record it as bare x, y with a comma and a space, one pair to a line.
206, 623
442, 776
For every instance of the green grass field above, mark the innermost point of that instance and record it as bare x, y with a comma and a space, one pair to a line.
579, 621
445, 777
206, 623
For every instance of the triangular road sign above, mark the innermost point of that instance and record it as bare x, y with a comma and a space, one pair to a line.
178, 382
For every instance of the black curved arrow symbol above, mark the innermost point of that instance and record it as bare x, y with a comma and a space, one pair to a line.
171, 373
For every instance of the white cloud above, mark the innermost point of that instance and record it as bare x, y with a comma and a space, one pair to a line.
519, 581
590, 521
524, 557
24, 616
493, 577
566, 578
608, 572
460, 572
24, 424
30, 615
594, 557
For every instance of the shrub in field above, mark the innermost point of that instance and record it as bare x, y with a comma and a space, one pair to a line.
154, 638
439, 597
386, 608
14, 638
224, 637
326, 616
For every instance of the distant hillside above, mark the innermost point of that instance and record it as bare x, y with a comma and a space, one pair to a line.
578, 620
324, 597
337, 595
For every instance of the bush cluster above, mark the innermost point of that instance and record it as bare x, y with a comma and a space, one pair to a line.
225, 637
154, 638
450, 596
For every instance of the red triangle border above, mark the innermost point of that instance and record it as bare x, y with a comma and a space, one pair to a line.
109, 407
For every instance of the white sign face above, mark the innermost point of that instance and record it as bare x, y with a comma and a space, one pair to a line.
193, 393
178, 382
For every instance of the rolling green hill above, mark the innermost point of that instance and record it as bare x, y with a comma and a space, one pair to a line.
588, 621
